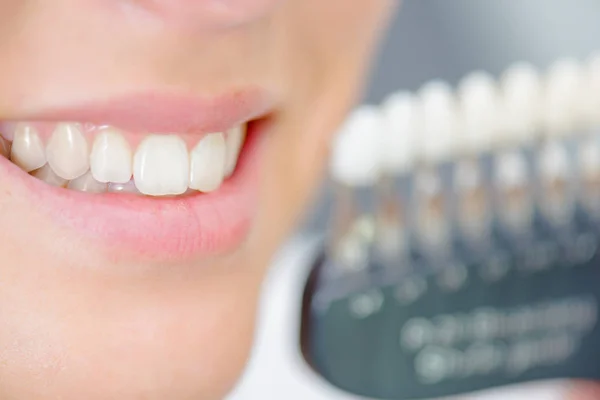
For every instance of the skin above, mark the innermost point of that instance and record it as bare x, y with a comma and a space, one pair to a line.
78, 321
585, 391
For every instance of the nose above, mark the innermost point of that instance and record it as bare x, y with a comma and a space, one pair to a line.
208, 14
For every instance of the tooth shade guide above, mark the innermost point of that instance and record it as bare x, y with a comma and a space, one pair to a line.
516, 203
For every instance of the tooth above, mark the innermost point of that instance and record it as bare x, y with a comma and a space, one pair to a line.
128, 187
234, 140
111, 157
5, 146
67, 151
87, 183
161, 166
27, 148
48, 175
208, 163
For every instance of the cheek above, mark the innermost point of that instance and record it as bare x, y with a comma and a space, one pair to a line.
346, 27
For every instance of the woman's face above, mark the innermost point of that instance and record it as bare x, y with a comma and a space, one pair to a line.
108, 293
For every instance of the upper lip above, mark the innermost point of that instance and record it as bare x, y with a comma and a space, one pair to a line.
168, 112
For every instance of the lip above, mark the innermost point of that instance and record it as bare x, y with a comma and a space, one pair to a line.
175, 229
167, 112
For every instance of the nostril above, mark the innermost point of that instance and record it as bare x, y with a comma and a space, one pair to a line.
206, 13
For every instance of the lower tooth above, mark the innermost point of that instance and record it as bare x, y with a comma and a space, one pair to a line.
87, 183
128, 187
47, 175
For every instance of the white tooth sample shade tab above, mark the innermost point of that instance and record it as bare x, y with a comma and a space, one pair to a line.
521, 104
400, 133
478, 104
439, 114
562, 111
356, 153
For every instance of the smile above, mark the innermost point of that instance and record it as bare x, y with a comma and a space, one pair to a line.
166, 178
96, 159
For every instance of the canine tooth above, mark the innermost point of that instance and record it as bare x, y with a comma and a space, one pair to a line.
128, 187
161, 166
27, 150
47, 174
207, 163
5, 146
67, 151
234, 140
111, 158
87, 183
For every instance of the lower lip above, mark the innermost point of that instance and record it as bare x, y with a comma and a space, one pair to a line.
159, 229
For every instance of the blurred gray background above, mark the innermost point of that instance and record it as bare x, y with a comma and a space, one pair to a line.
448, 38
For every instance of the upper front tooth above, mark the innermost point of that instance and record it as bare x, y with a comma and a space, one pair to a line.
208, 163
27, 148
234, 140
47, 174
162, 166
128, 187
67, 151
111, 157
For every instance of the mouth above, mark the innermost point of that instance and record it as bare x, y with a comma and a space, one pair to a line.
168, 178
